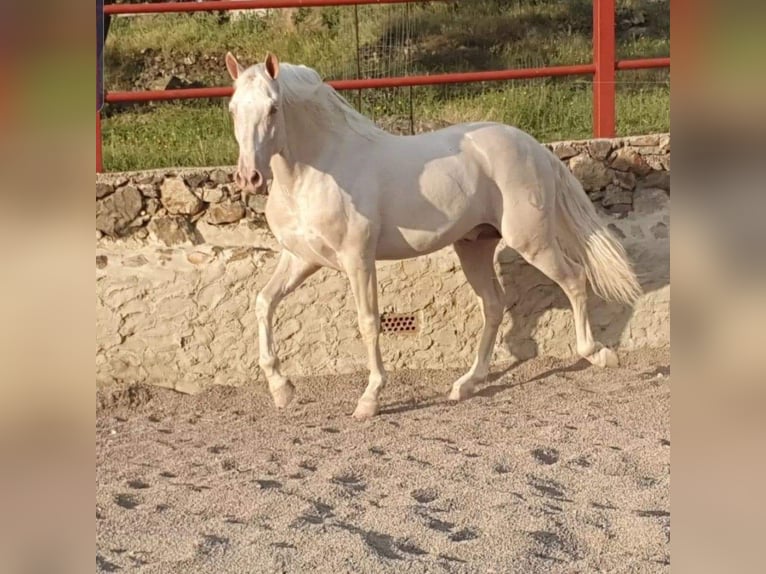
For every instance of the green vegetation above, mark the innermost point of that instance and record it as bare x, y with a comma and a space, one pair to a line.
143, 52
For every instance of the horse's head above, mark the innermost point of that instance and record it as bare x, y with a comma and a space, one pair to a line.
255, 109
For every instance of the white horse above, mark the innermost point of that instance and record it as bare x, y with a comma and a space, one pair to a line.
345, 193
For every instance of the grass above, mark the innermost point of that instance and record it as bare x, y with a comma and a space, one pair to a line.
457, 36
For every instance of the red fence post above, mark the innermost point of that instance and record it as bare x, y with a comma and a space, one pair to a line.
604, 59
99, 163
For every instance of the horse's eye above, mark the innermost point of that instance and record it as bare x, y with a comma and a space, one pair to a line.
273, 110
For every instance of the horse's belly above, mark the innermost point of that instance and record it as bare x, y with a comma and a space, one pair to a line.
401, 243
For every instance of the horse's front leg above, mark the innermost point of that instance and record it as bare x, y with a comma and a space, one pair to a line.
290, 272
364, 285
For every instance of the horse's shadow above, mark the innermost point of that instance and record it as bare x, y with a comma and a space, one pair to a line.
530, 295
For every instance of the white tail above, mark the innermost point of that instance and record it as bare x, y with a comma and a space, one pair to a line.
604, 258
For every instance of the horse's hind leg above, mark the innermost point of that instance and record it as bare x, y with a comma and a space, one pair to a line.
570, 276
477, 261
288, 275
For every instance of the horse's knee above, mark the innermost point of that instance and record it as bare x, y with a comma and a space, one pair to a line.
369, 327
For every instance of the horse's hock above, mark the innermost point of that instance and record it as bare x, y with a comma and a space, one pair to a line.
180, 259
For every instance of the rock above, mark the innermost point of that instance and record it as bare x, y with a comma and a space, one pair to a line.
178, 198
99, 235
172, 230
659, 179
220, 177
195, 180
213, 195
620, 209
625, 179
145, 179
593, 174
103, 189
656, 162
115, 212
149, 190
664, 143
563, 150
626, 159
101, 261
225, 212
645, 141
152, 206
614, 195
135, 261
142, 233
120, 180
599, 149
650, 200
199, 257
257, 203
596, 195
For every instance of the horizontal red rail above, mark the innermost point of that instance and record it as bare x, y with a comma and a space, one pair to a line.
221, 5
643, 64
395, 82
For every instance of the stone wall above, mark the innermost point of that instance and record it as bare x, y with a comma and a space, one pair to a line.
180, 258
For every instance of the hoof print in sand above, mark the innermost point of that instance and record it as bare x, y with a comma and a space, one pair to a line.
350, 481
546, 455
125, 500
104, 565
548, 543
138, 484
463, 535
548, 488
265, 484
316, 515
211, 543
384, 545
424, 495
439, 525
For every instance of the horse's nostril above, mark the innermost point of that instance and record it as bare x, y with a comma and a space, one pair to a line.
256, 178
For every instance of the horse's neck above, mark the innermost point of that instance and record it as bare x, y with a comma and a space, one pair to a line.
310, 142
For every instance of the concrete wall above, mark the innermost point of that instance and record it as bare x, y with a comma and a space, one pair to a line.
180, 259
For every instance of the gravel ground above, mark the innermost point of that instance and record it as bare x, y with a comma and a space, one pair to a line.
554, 467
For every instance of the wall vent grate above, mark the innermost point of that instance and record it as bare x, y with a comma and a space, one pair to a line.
398, 323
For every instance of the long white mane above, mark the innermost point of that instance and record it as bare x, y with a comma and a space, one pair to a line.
303, 87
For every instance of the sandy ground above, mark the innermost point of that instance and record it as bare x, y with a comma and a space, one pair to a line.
555, 467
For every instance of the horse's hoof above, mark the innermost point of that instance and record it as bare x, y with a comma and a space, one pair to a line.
462, 392
605, 358
283, 395
365, 409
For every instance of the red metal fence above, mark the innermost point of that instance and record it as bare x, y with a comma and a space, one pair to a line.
604, 66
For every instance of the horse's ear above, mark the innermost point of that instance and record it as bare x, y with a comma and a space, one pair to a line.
272, 66
234, 68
